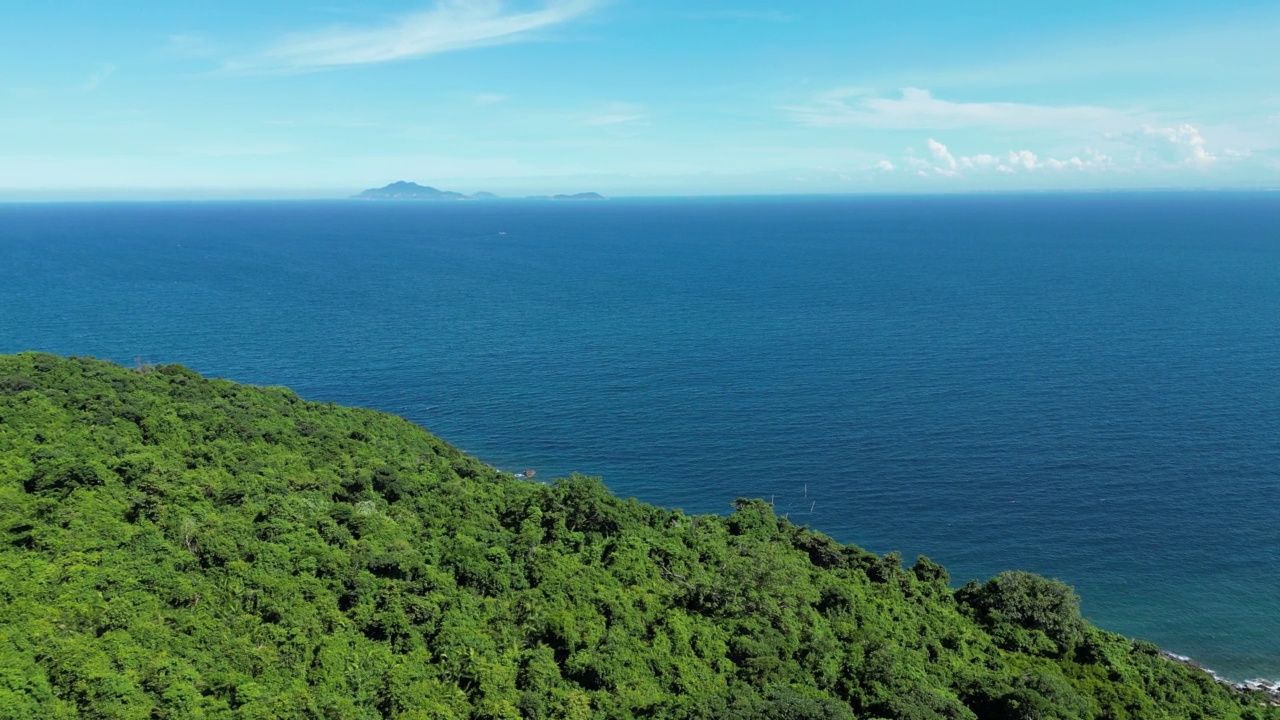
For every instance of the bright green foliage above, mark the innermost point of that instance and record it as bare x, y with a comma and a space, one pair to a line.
175, 547
1026, 612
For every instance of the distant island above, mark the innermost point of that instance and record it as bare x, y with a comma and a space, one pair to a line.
413, 191
403, 190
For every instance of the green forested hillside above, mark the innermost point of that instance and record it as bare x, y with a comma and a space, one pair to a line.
176, 547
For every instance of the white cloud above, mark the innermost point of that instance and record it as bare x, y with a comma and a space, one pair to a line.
916, 162
487, 99
1025, 158
979, 161
946, 164
884, 165
946, 161
939, 151
1093, 160
919, 109
450, 25
1178, 145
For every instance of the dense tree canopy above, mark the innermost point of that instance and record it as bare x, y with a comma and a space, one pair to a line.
176, 547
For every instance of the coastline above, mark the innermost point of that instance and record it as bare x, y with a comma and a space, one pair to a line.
1269, 687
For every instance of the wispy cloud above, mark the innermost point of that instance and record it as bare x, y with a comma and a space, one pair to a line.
99, 76
451, 25
483, 99
1153, 55
760, 15
183, 45
249, 149
613, 114
919, 109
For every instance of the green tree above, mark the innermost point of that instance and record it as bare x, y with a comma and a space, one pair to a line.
1026, 612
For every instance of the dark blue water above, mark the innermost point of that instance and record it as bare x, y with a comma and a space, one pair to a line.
1083, 386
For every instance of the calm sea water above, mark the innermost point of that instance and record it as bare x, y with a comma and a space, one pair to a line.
1083, 386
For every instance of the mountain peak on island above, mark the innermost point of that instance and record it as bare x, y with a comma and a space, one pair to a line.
404, 190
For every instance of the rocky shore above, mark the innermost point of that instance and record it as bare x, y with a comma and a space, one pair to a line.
1270, 687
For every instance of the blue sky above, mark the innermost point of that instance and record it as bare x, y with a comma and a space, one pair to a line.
630, 97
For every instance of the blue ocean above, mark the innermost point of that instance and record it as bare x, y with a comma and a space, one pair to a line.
1085, 386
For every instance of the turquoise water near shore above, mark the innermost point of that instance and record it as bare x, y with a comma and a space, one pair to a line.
1086, 386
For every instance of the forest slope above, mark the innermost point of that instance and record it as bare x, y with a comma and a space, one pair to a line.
177, 547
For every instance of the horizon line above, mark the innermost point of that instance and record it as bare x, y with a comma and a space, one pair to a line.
203, 196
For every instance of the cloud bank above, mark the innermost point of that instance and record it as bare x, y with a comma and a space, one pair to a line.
1147, 149
941, 162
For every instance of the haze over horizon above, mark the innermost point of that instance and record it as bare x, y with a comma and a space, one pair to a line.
625, 98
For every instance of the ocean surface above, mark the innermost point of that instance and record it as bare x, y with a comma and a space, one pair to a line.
1086, 386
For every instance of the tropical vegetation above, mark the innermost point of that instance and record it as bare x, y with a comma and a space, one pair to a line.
178, 547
